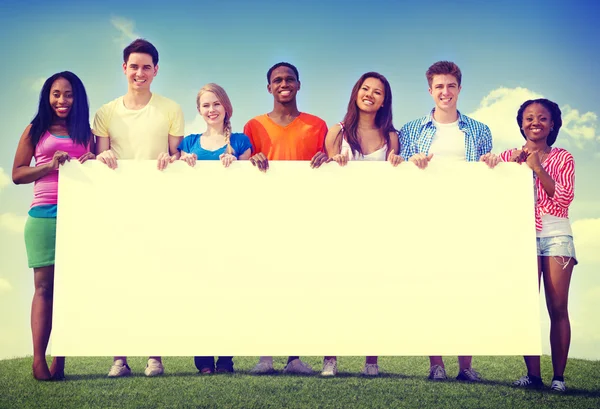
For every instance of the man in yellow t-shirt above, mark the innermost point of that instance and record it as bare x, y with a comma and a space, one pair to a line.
285, 133
139, 125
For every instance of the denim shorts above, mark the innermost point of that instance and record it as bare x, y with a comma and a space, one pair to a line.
561, 246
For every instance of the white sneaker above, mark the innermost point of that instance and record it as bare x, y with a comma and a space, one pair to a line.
118, 369
371, 370
437, 373
154, 368
558, 386
262, 368
329, 367
297, 367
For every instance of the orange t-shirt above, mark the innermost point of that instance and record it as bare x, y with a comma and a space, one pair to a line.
299, 140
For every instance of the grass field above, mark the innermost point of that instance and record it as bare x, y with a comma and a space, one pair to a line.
403, 384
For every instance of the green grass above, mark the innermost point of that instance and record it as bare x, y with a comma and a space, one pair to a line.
403, 384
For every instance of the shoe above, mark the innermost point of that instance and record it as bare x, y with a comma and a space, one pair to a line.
437, 373
263, 368
118, 369
329, 367
558, 386
468, 375
529, 382
154, 367
371, 370
204, 364
297, 367
224, 366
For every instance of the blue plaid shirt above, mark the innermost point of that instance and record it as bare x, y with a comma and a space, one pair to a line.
416, 137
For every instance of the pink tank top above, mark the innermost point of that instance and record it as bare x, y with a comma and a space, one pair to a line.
45, 189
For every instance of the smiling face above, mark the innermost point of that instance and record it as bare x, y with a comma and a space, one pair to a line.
444, 91
211, 109
371, 95
61, 97
140, 71
283, 84
537, 122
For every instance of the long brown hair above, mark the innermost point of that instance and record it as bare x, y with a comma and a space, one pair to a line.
383, 118
226, 102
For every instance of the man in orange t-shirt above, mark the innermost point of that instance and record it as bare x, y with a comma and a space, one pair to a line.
285, 133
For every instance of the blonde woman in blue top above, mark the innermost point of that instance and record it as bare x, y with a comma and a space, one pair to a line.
216, 143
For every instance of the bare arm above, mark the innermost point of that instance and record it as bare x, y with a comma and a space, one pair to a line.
333, 140
393, 149
102, 144
394, 145
174, 142
22, 171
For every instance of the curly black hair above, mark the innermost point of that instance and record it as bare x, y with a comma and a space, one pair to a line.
555, 114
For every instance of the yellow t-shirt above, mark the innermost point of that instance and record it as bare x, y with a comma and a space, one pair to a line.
139, 133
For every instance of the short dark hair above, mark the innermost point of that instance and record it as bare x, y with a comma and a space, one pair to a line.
555, 114
441, 68
141, 46
282, 64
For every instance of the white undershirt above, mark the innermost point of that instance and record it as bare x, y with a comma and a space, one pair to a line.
554, 226
448, 142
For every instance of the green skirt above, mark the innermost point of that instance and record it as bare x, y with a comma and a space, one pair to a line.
40, 241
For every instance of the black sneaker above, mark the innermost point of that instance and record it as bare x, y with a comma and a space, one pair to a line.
468, 375
224, 365
529, 382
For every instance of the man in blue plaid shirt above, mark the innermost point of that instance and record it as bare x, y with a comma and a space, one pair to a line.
445, 132
449, 135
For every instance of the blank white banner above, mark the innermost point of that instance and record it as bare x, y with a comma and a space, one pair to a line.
362, 260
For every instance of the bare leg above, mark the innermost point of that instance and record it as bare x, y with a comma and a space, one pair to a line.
41, 319
532, 362
123, 358
557, 278
371, 360
436, 360
464, 362
57, 369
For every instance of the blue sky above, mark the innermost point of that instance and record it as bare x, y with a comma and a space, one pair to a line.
508, 51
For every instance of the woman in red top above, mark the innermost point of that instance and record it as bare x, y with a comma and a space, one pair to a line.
554, 177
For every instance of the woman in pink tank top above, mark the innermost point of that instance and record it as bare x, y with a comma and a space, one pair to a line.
59, 132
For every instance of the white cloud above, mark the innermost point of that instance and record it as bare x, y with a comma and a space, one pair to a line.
37, 84
580, 127
198, 125
586, 234
499, 109
126, 30
12, 222
5, 286
4, 179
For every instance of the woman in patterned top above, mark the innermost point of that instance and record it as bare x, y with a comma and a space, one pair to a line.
554, 178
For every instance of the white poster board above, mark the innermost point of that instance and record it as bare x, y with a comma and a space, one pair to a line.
362, 260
